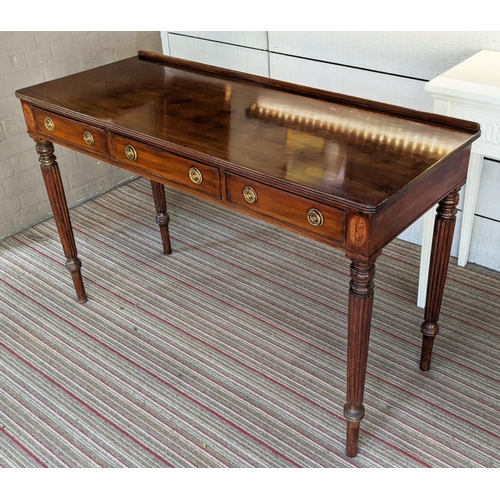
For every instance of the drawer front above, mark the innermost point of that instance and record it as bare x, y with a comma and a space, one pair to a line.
178, 170
81, 135
287, 207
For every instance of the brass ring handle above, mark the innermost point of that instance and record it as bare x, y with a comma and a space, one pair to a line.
315, 217
195, 175
88, 138
249, 194
49, 124
130, 152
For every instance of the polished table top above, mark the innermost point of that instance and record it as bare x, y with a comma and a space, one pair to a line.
342, 170
346, 150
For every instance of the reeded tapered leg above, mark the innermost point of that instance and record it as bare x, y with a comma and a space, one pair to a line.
162, 217
359, 322
440, 258
57, 198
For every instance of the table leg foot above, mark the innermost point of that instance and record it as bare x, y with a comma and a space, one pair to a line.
74, 265
57, 198
429, 332
353, 417
359, 323
162, 217
440, 258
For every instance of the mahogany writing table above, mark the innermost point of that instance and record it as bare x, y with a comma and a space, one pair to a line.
347, 172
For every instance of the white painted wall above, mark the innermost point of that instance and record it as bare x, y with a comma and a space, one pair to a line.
385, 66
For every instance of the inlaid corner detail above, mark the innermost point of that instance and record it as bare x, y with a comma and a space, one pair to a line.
357, 231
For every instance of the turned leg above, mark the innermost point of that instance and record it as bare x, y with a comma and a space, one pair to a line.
162, 217
440, 258
57, 198
359, 322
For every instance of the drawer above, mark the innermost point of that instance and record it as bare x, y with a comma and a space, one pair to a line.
72, 131
176, 169
287, 207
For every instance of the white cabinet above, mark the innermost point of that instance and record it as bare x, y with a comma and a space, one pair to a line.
470, 90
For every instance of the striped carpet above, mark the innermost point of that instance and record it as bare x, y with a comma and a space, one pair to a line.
231, 351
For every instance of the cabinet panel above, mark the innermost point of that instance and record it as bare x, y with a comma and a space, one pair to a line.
485, 243
489, 189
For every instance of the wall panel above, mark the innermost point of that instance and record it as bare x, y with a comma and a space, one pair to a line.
352, 81
240, 58
253, 39
416, 54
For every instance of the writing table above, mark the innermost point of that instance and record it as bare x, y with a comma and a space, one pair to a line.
344, 171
